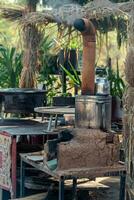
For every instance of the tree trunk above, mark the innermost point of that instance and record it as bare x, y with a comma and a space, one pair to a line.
31, 5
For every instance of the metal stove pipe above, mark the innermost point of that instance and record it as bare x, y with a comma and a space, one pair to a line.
88, 32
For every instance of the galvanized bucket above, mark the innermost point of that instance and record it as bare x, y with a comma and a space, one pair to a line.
93, 112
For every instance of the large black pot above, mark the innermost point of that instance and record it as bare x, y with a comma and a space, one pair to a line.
21, 100
117, 110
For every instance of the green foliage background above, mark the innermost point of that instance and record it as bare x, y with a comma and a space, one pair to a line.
109, 39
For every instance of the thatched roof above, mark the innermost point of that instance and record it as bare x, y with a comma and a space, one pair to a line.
68, 13
12, 14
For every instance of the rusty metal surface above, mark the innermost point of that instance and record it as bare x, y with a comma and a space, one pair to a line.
93, 112
21, 100
23, 127
89, 52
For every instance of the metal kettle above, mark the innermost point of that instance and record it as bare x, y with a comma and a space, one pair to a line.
102, 86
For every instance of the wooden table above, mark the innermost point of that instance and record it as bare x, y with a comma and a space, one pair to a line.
11, 129
9, 132
73, 174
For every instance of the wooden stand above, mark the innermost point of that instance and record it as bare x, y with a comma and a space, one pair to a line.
72, 174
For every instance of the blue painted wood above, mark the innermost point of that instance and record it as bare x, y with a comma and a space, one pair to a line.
61, 188
22, 179
74, 190
122, 186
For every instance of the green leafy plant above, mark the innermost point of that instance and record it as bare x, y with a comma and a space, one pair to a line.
117, 85
10, 66
47, 58
47, 61
73, 76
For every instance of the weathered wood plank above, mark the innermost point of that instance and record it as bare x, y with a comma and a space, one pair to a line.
40, 196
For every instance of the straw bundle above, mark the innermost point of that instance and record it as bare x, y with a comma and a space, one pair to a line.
128, 100
131, 29
12, 14
38, 18
28, 79
31, 38
126, 126
129, 67
67, 13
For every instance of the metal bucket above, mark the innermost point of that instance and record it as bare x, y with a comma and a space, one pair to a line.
93, 112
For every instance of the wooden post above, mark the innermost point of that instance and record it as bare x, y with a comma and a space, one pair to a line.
14, 171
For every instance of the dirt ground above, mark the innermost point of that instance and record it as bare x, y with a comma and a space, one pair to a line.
104, 188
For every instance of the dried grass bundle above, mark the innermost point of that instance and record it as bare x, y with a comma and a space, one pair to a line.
126, 125
128, 100
131, 29
96, 9
32, 38
28, 78
11, 14
37, 18
129, 66
66, 14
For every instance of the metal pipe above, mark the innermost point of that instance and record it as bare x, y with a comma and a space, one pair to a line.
88, 32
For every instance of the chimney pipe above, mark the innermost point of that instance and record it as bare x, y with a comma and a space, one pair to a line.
88, 32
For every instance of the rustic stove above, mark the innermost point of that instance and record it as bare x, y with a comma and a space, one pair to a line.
93, 144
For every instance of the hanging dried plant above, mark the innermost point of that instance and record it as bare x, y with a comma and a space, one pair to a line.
12, 14
129, 67
32, 38
28, 78
128, 100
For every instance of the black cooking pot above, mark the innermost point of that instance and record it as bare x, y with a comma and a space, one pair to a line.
22, 100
